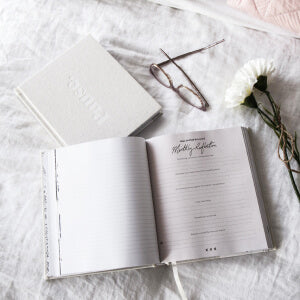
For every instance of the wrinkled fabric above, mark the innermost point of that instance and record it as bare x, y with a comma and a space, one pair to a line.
279, 12
247, 15
34, 32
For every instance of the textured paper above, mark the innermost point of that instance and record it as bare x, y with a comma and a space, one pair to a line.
85, 95
206, 202
104, 216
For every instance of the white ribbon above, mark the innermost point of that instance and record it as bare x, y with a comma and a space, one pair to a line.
178, 282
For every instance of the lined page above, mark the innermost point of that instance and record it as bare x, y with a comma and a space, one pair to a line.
105, 208
204, 196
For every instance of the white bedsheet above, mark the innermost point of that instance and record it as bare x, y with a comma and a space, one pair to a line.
34, 32
220, 10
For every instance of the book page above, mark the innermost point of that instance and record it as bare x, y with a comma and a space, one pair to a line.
204, 196
105, 208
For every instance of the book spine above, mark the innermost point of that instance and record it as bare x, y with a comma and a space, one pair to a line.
27, 103
50, 216
45, 215
58, 211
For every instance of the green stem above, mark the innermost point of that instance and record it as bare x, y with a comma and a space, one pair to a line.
276, 114
272, 102
292, 178
289, 146
266, 116
273, 124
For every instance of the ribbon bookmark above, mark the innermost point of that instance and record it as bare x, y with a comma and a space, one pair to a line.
177, 280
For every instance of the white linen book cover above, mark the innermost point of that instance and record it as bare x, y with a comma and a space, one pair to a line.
125, 203
85, 95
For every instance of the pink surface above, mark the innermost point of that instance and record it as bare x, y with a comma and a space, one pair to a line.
284, 13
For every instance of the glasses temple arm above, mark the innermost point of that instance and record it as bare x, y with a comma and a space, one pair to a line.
190, 53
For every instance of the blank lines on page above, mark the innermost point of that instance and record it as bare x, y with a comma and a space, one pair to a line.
205, 202
106, 206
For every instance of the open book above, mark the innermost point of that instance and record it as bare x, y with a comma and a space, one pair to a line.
129, 202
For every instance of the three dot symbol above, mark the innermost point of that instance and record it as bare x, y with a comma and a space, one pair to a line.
211, 249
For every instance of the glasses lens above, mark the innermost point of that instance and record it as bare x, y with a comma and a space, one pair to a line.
190, 97
160, 75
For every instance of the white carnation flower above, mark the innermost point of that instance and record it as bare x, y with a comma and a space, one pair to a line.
253, 73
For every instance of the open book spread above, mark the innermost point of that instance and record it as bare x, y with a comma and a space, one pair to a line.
129, 202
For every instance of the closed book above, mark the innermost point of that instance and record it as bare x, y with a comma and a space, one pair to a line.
85, 94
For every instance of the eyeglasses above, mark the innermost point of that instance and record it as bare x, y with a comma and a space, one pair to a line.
190, 96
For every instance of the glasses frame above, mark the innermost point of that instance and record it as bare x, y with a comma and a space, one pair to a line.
196, 91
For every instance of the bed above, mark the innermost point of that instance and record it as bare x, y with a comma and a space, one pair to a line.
34, 32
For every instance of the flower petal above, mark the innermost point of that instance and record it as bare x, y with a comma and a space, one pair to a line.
245, 78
